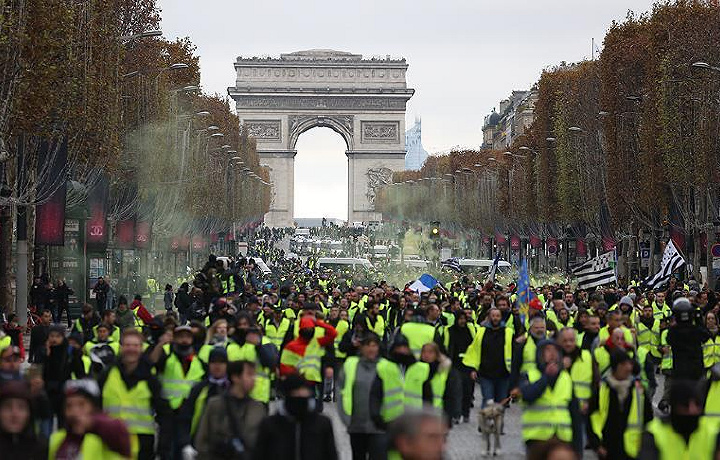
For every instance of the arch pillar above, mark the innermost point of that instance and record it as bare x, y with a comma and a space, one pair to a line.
281, 164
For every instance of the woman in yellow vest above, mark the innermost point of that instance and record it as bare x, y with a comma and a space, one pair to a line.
433, 382
82, 412
619, 411
217, 336
547, 391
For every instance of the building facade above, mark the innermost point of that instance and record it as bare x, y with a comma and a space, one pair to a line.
515, 116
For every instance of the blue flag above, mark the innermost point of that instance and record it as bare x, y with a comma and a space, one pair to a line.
523, 288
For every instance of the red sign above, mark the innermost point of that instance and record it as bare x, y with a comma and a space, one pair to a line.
552, 246
213, 237
486, 239
142, 235
500, 238
515, 243
608, 243
197, 243
535, 241
125, 233
50, 220
580, 247
97, 223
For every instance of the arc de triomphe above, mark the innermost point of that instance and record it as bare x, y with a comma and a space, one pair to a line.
363, 100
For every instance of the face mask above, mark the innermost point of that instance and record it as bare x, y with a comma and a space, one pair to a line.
307, 334
402, 358
299, 406
684, 424
182, 350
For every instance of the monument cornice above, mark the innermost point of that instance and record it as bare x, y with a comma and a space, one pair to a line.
405, 93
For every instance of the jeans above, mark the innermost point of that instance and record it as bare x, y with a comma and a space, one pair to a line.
368, 446
496, 389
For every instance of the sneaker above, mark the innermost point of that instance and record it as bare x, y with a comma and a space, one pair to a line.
327, 398
466, 419
455, 420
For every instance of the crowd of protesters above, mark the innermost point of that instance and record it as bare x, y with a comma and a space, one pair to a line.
243, 364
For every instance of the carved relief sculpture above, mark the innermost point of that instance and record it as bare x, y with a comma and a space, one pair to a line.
377, 177
264, 129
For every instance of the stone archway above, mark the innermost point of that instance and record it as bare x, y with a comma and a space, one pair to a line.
363, 100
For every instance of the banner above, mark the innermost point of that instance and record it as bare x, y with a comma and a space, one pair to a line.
515, 243
97, 223
535, 241
142, 235
500, 238
125, 233
552, 246
580, 248
50, 214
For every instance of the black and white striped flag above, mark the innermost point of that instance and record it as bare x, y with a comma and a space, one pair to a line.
452, 263
596, 272
671, 261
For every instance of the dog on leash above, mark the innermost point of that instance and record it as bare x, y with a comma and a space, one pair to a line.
490, 422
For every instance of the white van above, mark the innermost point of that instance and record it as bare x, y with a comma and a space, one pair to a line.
302, 231
343, 263
412, 263
483, 265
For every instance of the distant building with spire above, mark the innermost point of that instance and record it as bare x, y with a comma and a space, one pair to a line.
415, 154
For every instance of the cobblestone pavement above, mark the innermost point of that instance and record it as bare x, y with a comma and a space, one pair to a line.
464, 441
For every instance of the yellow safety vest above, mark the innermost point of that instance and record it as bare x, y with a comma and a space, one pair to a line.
666, 364
711, 352
473, 355
649, 337
247, 352
92, 447
417, 334
308, 366
134, 406
198, 410
378, 328
632, 436
176, 384
528, 355
389, 373
712, 401
549, 415
276, 334
341, 328
415, 376
672, 446
581, 373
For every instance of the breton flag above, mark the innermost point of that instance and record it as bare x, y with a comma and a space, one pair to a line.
596, 272
493, 269
424, 283
452, 263
671, 261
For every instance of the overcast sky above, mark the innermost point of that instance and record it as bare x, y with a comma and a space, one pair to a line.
464, 57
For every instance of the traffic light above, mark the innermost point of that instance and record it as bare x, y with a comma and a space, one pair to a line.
435, 230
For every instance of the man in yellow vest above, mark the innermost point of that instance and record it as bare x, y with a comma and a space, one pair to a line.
368, 406
419, 332
178, 368
547, 392
250, 345
490, 357
94, 434
193, 407
131, 392
619, 411
685, 433
579, 364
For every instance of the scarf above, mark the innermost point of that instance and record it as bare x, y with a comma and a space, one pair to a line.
621, 387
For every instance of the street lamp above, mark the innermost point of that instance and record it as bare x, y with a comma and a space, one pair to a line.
212, 128
178, 66
202, 113
575, 129
527, 149
146, 34
190, 88
217, 135
550, 139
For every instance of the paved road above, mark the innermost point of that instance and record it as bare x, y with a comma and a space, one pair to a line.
464, 441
